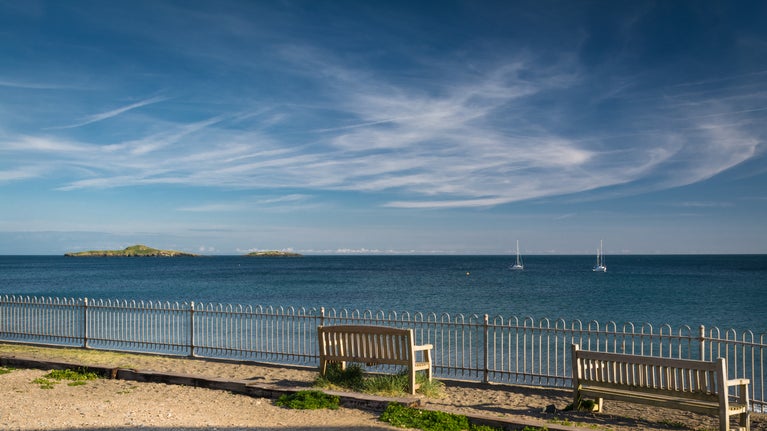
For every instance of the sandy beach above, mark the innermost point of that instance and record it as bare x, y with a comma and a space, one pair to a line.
119, 404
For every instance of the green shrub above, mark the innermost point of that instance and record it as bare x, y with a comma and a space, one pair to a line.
308, 400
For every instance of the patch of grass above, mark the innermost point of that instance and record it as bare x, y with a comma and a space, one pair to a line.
6, 370
79, 374
76, 378
672, 424
337, 378
430, 388
353, 378
308, 400
567, 422
386, 384
427, 420
564, 422
44, 383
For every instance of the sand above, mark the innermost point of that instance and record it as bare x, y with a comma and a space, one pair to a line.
116, 404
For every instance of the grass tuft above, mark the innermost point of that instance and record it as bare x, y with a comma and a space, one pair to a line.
353, 378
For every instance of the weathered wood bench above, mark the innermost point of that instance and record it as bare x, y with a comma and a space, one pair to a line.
682, 384
373, 345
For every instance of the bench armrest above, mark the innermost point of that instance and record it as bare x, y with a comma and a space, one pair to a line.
423, 347
738, 382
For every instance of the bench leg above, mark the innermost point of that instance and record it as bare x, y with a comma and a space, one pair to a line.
412, 382
745, 421
745, 417
599, 402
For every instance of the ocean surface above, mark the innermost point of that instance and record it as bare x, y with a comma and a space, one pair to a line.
728, 292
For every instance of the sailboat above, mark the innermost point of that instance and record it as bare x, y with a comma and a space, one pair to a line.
518, 266
600, 266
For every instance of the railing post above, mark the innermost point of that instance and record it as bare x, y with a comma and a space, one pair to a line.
191, 329
485, 370
85, 323
702, 340
322, 316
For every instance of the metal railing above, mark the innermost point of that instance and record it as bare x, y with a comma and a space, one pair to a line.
511, 350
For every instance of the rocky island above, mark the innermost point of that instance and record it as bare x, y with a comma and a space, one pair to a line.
132, 251
272, 253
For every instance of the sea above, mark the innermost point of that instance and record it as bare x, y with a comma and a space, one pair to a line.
728, 292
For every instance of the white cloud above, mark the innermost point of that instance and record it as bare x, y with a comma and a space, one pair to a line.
113, 113
21, 173
476, 140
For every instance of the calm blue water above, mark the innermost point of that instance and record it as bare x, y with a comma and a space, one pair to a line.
724, 291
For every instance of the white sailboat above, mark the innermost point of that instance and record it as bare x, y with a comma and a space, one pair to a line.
600, 266
518, 266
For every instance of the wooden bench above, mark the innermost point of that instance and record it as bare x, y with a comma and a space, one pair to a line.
682, 384
373, 345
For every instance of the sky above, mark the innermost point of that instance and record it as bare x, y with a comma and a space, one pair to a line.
383, 126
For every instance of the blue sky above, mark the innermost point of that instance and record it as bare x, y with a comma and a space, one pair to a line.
384, 126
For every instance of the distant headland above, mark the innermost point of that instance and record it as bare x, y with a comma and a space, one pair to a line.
273, 253
132, 251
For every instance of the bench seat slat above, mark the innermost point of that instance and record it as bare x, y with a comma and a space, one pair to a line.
659, 400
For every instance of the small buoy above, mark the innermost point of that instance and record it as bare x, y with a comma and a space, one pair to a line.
467, 274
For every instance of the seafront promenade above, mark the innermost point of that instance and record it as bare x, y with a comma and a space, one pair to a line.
162, 399
471, 348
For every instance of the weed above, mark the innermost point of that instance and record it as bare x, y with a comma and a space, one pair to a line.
6, 370
308, 400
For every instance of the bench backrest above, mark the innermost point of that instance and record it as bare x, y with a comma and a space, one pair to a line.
696, 379
355, 343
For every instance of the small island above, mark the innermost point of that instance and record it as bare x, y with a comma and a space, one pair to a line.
273, 253
132, 251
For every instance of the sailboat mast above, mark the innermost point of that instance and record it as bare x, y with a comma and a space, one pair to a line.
601, 254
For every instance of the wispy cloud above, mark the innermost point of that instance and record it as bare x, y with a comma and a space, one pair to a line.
112, 113
21, 173
32, 85
260, 204
477, 138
